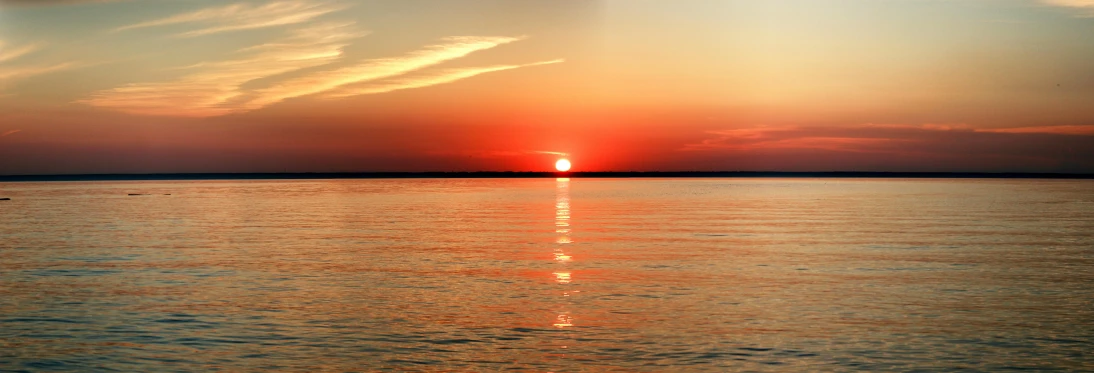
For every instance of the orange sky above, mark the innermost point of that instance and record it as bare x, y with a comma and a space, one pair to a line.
144, 86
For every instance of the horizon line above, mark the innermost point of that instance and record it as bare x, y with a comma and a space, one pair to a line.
537, 174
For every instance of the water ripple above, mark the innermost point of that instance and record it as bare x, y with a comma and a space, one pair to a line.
548, 275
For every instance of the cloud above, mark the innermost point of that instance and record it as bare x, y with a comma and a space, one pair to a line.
1059, 130
28, 3
243, 16
426, 80
11, 132
259, 76
1086, 6
859, 138
788, 138
26, 72
1050, 147
376, 69
1071, 3
477, 153
12, 54
480, 153
211, 87
216, 88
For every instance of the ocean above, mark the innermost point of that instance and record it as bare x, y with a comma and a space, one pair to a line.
548, 275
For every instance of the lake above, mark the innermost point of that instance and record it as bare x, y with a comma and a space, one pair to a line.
548, 275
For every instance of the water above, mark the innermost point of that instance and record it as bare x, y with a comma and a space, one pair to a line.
548, 275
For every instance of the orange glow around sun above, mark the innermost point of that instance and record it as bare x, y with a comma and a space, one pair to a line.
562, 165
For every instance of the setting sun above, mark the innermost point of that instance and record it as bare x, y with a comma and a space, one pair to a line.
562, 165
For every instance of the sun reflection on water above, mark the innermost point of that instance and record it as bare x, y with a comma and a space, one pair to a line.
562, 257
563, 321
562, 222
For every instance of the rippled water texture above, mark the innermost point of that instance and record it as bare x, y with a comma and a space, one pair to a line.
547, 275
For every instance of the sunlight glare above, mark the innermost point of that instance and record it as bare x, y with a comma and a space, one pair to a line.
562, 165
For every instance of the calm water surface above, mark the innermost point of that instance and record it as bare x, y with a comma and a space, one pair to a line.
548, 275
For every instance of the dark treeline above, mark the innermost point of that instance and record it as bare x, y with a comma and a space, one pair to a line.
482, 175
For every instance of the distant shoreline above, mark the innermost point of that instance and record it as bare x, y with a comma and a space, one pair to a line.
525, 175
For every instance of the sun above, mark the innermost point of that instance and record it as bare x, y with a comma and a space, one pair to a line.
562, 165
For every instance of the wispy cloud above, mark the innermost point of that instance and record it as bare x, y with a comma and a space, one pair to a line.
426, 80
892, 139
376, 69
480, 153
258, 76
1059, 130
216, 88
29, 3
1085, 6
902, 147
10, 132
243, 16
13, 54
15, 73
792, 137
210, 88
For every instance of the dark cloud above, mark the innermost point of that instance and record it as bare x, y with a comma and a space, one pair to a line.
906, 148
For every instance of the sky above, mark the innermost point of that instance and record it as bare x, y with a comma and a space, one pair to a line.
179, 86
